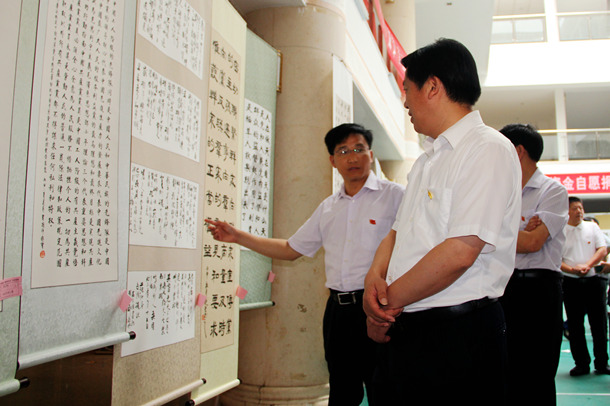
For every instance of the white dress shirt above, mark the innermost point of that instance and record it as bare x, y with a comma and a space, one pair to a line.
547, 199
468, 182
350, 229
581, 243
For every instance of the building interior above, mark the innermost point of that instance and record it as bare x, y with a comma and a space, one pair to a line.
540, 62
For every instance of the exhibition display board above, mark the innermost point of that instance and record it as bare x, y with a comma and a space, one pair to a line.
129, 123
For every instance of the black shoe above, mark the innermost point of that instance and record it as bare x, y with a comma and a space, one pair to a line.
578, 371
604, 370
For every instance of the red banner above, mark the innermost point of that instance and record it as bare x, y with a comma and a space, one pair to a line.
395, 50
584, 183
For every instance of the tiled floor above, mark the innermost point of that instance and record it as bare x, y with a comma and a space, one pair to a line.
587, 390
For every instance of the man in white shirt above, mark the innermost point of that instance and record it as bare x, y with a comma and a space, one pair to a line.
532, 301
584, 292
451, 251
349, 225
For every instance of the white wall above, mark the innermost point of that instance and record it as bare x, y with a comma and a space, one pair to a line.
566, 62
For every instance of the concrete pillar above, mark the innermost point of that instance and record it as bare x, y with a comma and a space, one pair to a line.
552, 25
561, 123
281, 356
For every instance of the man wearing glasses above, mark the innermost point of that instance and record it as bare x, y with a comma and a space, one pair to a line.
349, 224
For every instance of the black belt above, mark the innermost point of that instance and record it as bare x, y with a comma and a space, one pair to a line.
442, 313
347, 298
536, 273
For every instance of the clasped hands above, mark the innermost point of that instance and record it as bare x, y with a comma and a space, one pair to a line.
380, 316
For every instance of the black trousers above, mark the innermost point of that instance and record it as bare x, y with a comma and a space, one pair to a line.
444, 360
532, 304
587, 296
349, 352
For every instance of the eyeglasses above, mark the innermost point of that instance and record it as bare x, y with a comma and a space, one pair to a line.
343, 152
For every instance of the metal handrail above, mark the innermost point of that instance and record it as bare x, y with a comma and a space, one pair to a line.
597, 146
560, 16
576, 130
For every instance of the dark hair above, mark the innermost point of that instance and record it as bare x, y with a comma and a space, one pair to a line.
340, 133
573, 199
526, 135
452, 63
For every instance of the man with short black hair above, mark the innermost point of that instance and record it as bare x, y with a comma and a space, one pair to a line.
451, 250
532, 301
349, 225
584, 292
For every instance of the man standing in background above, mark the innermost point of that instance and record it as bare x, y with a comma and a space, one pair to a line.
584, 291
532, 301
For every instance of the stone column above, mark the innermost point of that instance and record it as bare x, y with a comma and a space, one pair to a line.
281, 356
561, 123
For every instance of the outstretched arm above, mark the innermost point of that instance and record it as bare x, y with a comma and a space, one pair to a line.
270, 247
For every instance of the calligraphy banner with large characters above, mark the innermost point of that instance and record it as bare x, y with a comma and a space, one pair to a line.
221, 198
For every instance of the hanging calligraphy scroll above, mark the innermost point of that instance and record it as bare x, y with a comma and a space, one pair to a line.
176, 29
75, 237
162, 209
165, 114
75, 199
13, 156
162, 310
166, 215
221, 199
256, 179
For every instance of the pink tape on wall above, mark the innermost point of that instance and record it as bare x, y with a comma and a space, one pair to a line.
10, 287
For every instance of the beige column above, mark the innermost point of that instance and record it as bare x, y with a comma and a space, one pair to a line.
400, 16
281, 356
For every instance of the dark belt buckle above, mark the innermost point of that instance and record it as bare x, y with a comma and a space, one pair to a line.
346, 298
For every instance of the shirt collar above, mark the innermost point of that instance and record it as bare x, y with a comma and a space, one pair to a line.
372, 183
580, 225
454, 134
535, 182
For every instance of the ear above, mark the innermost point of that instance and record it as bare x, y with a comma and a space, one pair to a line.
521, 152
332, 160
434, 86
